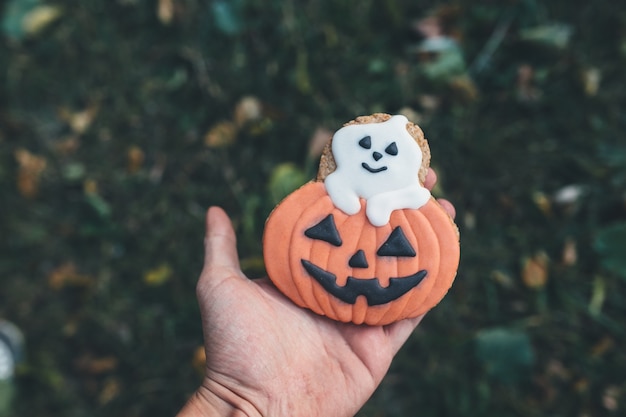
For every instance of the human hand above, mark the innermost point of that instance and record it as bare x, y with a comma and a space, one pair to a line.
268, 357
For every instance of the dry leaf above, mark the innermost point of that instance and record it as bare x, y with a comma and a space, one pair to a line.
603, 346
90, 187
38, 18
158, 275
67, 146
570, 253
96, 366
135, 158
110, 391
610, 398
165, 11
30, 167
199, 359
542, 202
535, 271
503, 279
67, 275
221, 135
248, 109
591, 81
79, 121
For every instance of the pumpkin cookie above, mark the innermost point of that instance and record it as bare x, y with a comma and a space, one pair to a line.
365, 242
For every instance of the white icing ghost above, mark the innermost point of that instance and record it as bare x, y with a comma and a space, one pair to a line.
378, 162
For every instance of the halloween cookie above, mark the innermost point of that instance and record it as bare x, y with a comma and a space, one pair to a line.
365, 242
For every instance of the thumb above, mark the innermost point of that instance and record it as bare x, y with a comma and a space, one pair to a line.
220, 243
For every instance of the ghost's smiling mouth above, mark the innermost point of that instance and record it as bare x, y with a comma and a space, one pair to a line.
373, 170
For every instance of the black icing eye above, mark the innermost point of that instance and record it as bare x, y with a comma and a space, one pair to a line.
392, 149
325, 230
396, 245
366, 142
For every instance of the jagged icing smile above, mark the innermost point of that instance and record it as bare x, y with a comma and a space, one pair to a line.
370, 288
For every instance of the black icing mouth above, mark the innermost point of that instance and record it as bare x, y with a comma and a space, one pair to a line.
370, 288
373, 170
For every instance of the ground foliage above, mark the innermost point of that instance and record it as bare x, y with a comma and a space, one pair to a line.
121, 121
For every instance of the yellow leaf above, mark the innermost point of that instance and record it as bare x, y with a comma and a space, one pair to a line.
158, 275
199, 359
535, 271
90, 187
30, 167
165, 11
543, 203
79, 121
221, 134
135, 159
41, 16
110, 390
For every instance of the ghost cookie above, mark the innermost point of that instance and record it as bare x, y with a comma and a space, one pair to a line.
365, 242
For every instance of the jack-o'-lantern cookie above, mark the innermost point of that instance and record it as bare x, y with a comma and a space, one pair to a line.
365, 242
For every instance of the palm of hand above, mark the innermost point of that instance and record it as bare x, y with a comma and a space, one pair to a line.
276, 358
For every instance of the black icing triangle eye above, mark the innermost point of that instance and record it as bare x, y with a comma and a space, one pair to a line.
392, 149
396, 245
325, 230
366, 142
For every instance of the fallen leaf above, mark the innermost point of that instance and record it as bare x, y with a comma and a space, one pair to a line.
222, 134
165, 11
570, 253
543, 203
90, 186
158, 276
79, 121
110, 390
30, 168
248, 109
67, 146
96, 365
598, 295
535, 271
66, 275
135, 157
603, 346
39, 18
591, 78
610, 398
199, 359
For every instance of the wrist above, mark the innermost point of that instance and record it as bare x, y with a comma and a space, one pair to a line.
214, 400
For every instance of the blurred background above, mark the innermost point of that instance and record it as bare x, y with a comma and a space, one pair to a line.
121, 121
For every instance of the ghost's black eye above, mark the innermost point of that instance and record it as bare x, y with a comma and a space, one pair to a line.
366, 142
325, 230
392, 149
396, 245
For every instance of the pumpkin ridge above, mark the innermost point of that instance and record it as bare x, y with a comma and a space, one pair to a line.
446, 236
304, 285
278, 229
321, 295
401, 302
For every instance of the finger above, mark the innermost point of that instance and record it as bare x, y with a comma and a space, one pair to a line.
220, 243
447, 206
400, 331
431, 179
